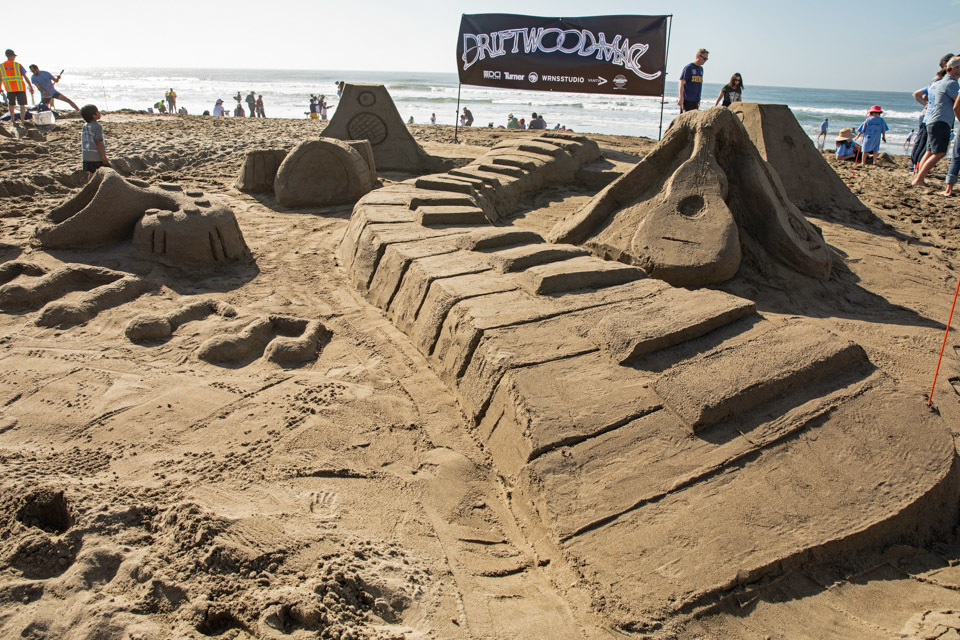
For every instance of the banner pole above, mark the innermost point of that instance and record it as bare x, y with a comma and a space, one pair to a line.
456, 116
666, 56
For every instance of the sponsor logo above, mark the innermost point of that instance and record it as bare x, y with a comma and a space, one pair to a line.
491, 75
620, 82
533, 77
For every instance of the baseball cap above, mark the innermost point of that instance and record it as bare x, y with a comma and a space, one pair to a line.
219, 100
9, 52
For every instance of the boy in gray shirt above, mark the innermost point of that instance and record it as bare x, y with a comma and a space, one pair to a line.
91, 140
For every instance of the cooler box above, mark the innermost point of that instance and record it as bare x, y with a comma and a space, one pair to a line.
43, 117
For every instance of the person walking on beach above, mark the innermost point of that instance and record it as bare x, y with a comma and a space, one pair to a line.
14, 84
873, 131
731, 92
93, 153
691, 82
941, 114
45, 81
822, 136
171, 97
260, 112
218, 110
467, 117
923, 97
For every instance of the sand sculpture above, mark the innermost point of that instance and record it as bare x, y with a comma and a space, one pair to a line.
674, 445
367, 112
259, 170
688, 211
325, 172
102, 289
281, 339
180, 227
809, 181
152, 327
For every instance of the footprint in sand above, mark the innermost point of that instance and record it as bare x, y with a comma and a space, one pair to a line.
152, 327
281, 339
322, 501
102, 289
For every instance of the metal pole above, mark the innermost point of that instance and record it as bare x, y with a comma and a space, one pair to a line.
666, 55
456, 118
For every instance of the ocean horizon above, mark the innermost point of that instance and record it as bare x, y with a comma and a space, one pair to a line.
286, 94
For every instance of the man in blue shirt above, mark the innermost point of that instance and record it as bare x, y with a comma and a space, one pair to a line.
941, 113
45, 81
822, 137
691, 83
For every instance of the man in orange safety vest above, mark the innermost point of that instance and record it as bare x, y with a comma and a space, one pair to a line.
15, 83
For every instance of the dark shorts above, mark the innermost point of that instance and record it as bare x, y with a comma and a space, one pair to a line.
690, 106
938, 137
91, 166
17, 97
56, 95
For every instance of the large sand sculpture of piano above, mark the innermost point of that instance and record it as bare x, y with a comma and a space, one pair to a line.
671, 444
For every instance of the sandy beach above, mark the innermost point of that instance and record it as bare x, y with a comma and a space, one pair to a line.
147, 493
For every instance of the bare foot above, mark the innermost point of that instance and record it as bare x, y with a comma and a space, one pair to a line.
948, 194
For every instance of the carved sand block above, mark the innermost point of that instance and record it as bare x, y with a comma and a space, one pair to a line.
282, 340
809, 181
616, 404
324, 172
100, 289
152, 327
259, 170
367, 112
180, 227
686, 212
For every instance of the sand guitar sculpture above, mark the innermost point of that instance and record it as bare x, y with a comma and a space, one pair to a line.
177, 226
688, 211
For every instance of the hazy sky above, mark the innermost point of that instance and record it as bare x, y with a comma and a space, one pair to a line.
880, 45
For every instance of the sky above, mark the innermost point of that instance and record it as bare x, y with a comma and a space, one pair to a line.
839, 44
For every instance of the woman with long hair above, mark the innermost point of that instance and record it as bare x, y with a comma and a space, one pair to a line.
731, 92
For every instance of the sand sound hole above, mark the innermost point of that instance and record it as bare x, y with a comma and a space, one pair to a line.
367, 126
690, 206
367, 99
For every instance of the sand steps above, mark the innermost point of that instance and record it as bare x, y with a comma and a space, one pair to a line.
650, 430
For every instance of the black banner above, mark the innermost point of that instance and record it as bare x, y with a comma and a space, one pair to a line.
597, 54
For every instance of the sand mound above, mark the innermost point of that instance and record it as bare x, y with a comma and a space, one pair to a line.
687, 211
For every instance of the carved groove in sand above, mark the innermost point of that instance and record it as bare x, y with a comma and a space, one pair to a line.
280, 339
730, 445
180, 227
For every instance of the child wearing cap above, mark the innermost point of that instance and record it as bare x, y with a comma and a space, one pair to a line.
873, 130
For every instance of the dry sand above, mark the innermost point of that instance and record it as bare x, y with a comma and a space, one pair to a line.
146, 493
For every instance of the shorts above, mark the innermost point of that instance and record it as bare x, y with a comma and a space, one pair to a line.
938, 137
91, 166
56, 96
17, 97
690, 106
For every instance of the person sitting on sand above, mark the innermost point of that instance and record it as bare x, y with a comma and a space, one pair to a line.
847, 148
536, 122
873, 131
218, 109
160, 106
467, 117
512, 122
523, 123
238, 111
732, 91
410, 120
45, 81
939, 120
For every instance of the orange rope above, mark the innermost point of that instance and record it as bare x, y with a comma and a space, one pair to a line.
944, 345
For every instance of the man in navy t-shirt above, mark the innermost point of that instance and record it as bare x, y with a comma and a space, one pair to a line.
691, 83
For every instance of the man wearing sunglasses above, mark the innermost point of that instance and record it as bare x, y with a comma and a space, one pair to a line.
691, 83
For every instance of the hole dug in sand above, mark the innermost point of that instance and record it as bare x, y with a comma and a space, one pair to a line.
46, 509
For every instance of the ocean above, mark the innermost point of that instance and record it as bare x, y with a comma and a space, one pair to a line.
286, 94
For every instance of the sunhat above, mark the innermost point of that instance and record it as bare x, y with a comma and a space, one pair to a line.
845, 135
509, 115
875, 109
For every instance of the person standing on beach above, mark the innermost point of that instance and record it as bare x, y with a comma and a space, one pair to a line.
252, 104
260, 112
874, 129
45, 81
94, 154
923, 97
939, 120
171, 97
822, 137
731, 92
433, 118
467, 117
691, 83
14, 82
